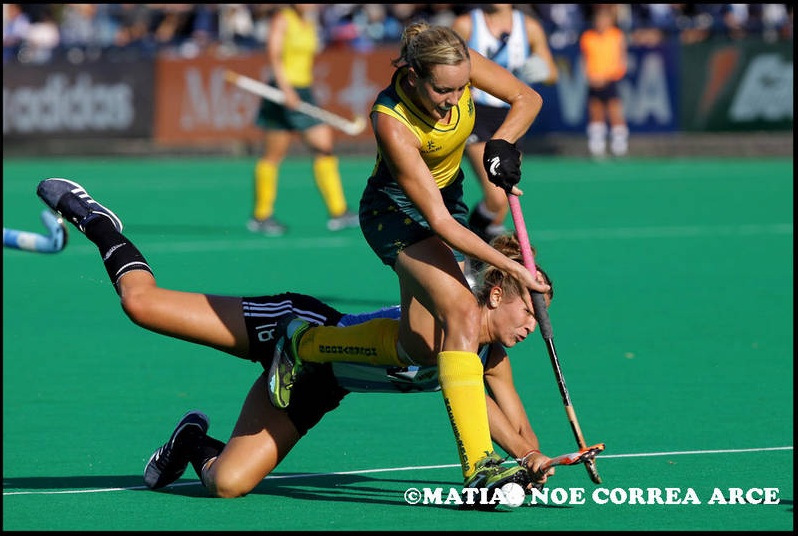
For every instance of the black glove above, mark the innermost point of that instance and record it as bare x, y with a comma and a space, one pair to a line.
502, 161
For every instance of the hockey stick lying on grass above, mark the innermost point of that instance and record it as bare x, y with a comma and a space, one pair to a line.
53, 242
353, 128
542, 316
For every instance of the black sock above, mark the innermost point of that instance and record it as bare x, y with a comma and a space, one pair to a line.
118, 253
203, 450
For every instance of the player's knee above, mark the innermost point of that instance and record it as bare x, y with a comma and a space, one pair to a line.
227, 485
462, 318
224, 492
467, 310
322, 152
137, 305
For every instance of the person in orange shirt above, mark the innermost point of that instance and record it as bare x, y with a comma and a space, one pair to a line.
604, 52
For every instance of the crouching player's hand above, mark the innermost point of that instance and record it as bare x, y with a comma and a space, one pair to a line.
536, 464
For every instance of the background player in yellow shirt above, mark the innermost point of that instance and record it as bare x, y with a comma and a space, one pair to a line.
292, 46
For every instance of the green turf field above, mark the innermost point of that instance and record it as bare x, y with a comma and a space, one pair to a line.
672, 318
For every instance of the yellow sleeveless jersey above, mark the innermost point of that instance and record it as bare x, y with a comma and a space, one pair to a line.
442, 144
299, 49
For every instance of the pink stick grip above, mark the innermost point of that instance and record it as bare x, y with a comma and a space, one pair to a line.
523, 237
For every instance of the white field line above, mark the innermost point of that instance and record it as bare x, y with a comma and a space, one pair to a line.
407, 468
540, 235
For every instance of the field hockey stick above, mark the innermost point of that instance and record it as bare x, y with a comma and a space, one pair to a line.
585, 455
53, 242
542, 316
353, 128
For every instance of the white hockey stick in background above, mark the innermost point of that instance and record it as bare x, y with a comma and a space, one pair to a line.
353, 127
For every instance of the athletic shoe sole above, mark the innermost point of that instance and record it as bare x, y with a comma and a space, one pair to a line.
53, 190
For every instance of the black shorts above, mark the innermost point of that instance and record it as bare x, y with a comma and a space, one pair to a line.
487, 121
604, 93
262, 313
316, 391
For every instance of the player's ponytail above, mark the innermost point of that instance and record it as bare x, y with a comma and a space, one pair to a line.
425, 45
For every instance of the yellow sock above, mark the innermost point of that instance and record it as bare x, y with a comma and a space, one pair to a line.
370, 342
460, 376
265, 189
328, 181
